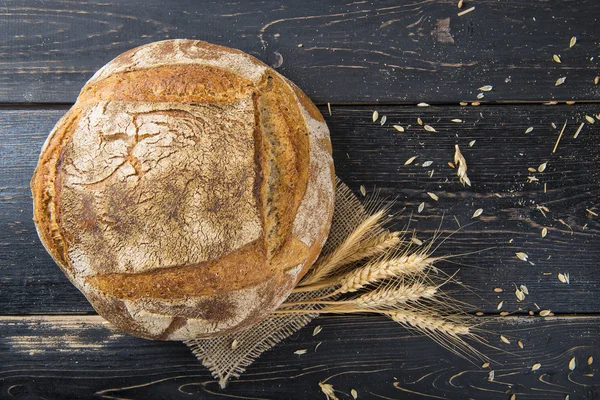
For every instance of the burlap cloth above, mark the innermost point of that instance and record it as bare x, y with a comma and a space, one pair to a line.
229, 356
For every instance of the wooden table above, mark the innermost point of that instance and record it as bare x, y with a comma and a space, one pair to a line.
359, 56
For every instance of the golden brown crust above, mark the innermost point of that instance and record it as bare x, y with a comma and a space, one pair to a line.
187, 190
169, 83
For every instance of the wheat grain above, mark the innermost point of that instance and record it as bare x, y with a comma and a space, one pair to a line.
462, 167
433, 196
422, 105
536, 366
317, 330
485, 365
486, 88
375, 116
504, 339
300, 352
471, 143
354, 394
590, 360
480, 96
421, 207
456, 120
560, 81
427, 163
363, 190
522, 256
556, 58
383, 119
544, 313
590, 119
572, 41
410, 160
498, 290
542, 167
460, 3
399, 128
529, 130
477, 213
429, 128
572, 364
520, 344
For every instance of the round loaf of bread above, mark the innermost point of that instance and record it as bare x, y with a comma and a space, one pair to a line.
187, 191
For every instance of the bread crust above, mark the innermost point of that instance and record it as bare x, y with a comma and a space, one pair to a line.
187, 190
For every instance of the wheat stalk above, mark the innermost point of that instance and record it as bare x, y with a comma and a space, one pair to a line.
348, 246
379, 298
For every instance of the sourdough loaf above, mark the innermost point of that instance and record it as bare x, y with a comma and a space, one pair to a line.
186, 191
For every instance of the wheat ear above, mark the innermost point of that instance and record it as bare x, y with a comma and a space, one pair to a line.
375, 246
348, 246
383, 269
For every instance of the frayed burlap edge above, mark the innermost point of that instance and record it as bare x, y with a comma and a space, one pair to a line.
229, 356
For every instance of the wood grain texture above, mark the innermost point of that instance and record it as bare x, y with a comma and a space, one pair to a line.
81, 357
393, 51
372, 155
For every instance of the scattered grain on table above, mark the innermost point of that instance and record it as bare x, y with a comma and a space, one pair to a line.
536, 366
504, 339
427, 163
542, 166
421, 207
572, 364
498, 290
520, 344
544, 313
556, 58
486, 88
317, 330
560, 81
383, 119
472, 142
300, 352
375, 116
590, 119
456, 120
410, 160
422, 105
522, 256
529, 130
544, 232
433, 196
477, 213
399, 128
572, 41
354, 394
499, 306
363, 190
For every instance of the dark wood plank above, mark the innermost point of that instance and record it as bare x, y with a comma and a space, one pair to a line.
357, 51
79, 357
372, 155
